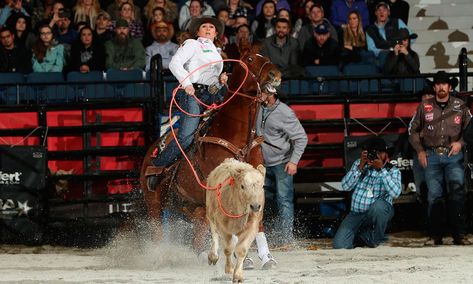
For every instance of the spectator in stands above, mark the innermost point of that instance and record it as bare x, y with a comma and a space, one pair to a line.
13, 57
182, 36
243, 34
399, 9
87, 54
437, 139
127, 13
102, 32
86, 11
341, 8
238, 21
282, 14
185, 12
285, 141
380, 35
264, 21
321, 49
58, 8
158, 17
222, 16
64, 33
316, 18
11, 7
205, 84
402, 60
21, 27
354, 41
235, 9
124, 52
283, 50
195, 11
303, 19
48, 55
42, 11
280, 4
114, 10
169, 7
375, 183
162, 45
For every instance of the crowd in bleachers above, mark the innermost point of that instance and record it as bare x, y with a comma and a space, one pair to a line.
93, 35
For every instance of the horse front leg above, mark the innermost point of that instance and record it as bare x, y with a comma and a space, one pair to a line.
201, 229
155, 209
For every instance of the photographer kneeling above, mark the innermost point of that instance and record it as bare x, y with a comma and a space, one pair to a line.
375, 183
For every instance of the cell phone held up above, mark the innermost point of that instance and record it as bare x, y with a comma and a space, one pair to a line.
372, 154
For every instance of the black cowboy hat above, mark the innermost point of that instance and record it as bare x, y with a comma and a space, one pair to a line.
404, 34
196, 23
375, 143
443, 77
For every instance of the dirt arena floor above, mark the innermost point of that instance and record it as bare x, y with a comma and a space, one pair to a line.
403, 259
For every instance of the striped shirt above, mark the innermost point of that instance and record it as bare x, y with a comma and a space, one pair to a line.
370, 185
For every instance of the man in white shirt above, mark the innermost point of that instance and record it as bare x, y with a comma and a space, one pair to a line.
161, 45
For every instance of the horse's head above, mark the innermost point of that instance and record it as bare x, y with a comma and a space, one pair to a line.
260, 72
249, 182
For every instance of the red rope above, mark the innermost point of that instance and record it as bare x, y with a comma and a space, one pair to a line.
230, 180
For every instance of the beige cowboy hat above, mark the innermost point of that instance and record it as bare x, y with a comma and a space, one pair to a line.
196, 23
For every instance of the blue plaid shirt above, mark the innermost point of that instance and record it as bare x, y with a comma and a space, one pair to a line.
370, 185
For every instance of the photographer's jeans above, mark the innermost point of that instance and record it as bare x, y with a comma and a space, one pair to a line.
446, 171
188, 125
279, 190
366, 227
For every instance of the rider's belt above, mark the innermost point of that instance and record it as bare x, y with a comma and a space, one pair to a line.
212, 89
440, 150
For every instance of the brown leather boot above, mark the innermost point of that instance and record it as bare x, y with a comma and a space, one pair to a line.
153, 176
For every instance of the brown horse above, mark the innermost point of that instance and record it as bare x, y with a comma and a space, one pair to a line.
231, 134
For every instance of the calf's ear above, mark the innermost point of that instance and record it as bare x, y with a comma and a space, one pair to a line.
261, 169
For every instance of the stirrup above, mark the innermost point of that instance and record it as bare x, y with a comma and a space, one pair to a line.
153, 171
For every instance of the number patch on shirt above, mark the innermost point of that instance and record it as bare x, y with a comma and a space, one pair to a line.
429, 116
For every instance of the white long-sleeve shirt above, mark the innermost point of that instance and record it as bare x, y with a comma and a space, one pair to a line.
192, 54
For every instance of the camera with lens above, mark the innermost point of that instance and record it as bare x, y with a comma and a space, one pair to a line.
372, 154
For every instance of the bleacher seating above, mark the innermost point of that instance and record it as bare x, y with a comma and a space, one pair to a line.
47, 87
10, 92
123, 86
360, 86
85, 89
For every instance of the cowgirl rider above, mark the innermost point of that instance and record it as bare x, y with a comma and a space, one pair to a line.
206, 84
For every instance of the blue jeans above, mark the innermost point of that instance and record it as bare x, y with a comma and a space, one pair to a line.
279, 191
188, 125
445, 181
368, 227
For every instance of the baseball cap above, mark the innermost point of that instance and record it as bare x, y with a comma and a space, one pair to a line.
321, 29
121, 23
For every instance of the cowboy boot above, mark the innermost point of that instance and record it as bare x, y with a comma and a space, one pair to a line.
153, 176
